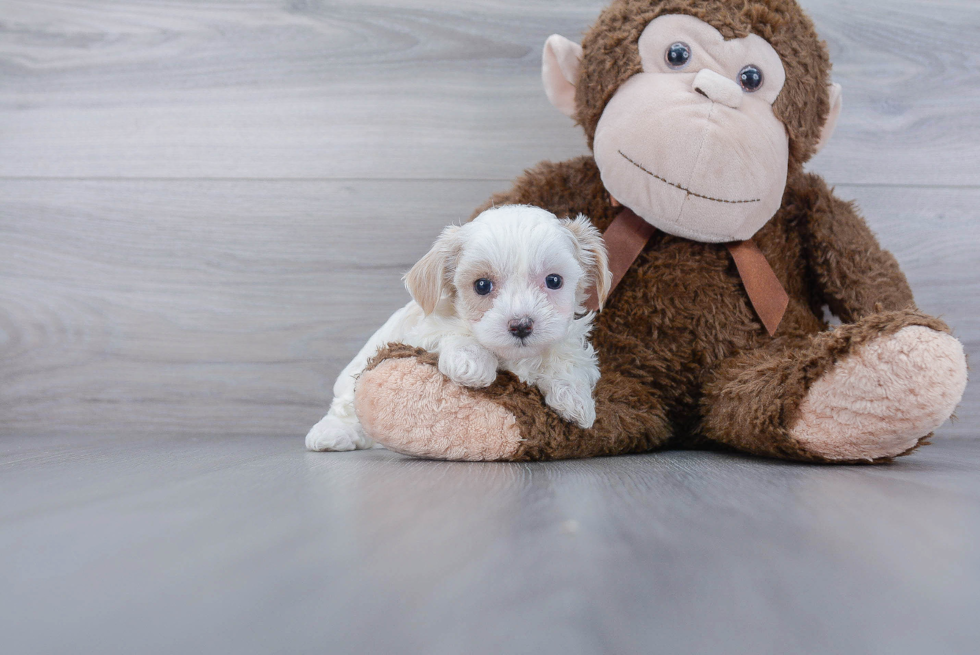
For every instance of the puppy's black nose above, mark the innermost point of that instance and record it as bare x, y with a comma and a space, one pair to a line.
521, 327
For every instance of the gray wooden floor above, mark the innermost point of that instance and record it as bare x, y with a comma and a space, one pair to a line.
205, 208
249, 545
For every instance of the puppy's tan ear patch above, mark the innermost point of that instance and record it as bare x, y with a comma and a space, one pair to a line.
432, 276
592, 255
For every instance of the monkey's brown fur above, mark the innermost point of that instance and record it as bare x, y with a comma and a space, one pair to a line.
684, 358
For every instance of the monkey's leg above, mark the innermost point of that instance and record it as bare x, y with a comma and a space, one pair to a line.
407, 405
863, 392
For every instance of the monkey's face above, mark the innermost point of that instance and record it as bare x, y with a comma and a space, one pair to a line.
691, 144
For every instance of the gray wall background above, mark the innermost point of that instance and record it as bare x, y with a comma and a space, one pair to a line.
206, 207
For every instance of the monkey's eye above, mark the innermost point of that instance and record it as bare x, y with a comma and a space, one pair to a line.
750, 78
553, 281
678, 55
483, 286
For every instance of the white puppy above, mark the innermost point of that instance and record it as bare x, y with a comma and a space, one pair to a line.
500, 292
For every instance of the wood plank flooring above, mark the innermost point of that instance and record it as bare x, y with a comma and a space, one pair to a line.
249, 545
205, 208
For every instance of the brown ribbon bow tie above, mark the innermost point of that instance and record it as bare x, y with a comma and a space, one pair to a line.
627, 235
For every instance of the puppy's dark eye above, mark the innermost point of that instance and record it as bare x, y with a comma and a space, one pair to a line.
750, 78
678, 54
553, 281
483, 286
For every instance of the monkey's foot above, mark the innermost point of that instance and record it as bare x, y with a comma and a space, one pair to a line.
408, 406
884, 397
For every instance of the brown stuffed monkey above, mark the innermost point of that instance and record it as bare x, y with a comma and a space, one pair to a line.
700, 115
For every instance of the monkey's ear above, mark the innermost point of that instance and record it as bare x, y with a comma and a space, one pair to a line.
836, 100
432, 275
559, 71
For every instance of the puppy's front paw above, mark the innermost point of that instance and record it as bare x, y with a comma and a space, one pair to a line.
469, 366
573, 403
333, 434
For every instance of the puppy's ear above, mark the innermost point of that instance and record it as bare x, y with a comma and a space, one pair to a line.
592, 255
433, 274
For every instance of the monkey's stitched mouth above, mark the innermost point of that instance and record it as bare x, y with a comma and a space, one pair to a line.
685, 189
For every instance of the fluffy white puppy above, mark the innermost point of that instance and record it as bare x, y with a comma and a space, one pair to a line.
504, 291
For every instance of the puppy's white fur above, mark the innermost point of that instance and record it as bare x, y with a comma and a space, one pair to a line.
516, 247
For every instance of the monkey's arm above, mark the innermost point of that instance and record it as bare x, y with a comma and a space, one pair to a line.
853, 274
407, 405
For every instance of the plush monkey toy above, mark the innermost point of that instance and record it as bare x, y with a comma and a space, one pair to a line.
700, 115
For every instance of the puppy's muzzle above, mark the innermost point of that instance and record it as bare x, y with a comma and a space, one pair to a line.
521, 328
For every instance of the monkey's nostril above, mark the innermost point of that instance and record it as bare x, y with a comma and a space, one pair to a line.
521, 327
717, 88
